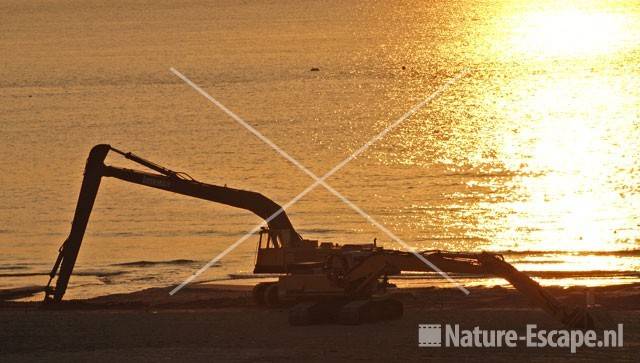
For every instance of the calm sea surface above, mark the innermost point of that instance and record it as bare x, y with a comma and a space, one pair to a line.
535, 150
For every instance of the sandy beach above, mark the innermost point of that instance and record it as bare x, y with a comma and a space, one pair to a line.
221, 323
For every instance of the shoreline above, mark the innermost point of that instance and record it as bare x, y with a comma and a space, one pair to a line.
217, 294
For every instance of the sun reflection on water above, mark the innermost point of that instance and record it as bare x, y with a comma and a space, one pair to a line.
567, 33
579, 138
537, 149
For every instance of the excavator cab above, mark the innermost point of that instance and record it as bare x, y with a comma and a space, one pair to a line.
279, 253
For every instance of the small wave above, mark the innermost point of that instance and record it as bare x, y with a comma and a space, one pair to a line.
536, 262
539, 274
206, 232
620, 253
144, 263
21, 274
99, 273
12, 267
246, 276
485, 174
318, 230
592, 273
75, 273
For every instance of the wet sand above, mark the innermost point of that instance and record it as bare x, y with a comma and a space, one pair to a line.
221, 323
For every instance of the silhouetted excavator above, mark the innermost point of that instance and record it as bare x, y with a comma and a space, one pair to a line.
322, 282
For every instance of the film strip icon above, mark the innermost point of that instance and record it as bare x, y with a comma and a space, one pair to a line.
430, 335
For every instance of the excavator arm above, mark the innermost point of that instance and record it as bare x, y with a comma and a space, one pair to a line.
385, 262
164, 179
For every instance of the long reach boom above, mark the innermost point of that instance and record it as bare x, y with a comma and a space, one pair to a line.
165, 179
